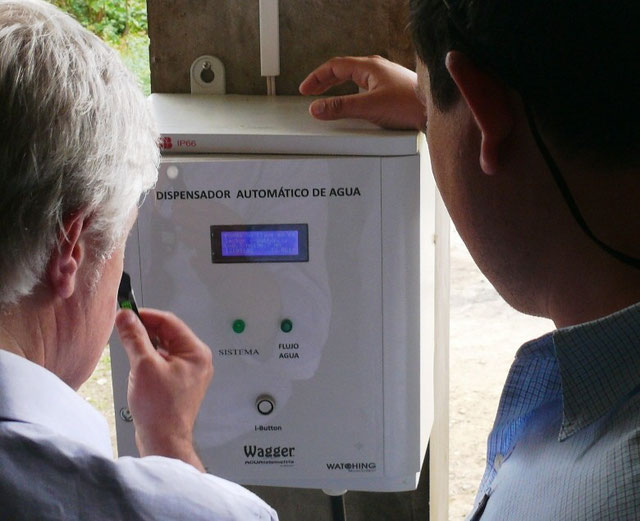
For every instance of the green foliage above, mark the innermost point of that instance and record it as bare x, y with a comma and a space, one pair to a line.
135, 54
122, 24
112, 20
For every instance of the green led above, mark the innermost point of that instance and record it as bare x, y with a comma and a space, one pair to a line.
238, 325
286, 325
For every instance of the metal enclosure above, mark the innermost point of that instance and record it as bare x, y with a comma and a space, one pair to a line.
302, 253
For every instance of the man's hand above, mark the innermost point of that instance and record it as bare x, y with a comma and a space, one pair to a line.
390, 100
167, 385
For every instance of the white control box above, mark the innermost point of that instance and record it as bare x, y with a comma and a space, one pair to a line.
302, 253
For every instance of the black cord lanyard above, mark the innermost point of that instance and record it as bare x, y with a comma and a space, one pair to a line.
566, 193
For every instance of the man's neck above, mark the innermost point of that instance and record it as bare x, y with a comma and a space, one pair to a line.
583, 295
22, 331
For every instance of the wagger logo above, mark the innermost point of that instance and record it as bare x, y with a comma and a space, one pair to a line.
253, 451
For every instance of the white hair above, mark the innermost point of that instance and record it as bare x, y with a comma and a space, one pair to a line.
75, 135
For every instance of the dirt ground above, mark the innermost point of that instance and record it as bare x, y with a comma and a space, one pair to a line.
485, 334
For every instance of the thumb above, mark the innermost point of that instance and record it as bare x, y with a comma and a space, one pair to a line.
339, 107
133, 334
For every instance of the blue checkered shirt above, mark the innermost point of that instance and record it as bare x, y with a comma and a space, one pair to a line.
566, 441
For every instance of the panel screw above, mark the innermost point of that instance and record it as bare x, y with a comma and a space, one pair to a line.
206, 74
125, 414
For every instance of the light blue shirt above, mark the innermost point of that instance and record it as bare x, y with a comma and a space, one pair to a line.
566, 441
56, 463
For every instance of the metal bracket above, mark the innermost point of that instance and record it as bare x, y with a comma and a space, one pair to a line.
207, 76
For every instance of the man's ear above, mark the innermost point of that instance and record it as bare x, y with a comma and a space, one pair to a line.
66, 260
489, 102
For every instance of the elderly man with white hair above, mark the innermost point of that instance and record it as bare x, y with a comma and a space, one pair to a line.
77, 152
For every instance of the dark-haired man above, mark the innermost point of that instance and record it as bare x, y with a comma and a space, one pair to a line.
531, 112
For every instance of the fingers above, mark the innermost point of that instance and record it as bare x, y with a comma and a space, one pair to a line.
173, 335
166, 387
334, 72
133, 334
390, 99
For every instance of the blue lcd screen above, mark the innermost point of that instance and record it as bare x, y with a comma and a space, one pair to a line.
259, 243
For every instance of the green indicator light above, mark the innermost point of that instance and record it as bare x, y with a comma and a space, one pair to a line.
286, 325
238, 325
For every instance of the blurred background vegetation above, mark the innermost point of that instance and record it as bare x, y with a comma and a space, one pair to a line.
120, 23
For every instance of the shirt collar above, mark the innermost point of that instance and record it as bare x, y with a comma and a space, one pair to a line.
31, 394
599, 366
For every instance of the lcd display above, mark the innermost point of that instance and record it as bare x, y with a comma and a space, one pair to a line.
259, 243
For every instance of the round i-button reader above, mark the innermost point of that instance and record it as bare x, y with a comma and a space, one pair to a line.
265, 404
286, 325
238, 325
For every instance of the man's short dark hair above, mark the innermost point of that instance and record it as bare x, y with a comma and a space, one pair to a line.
576, 62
